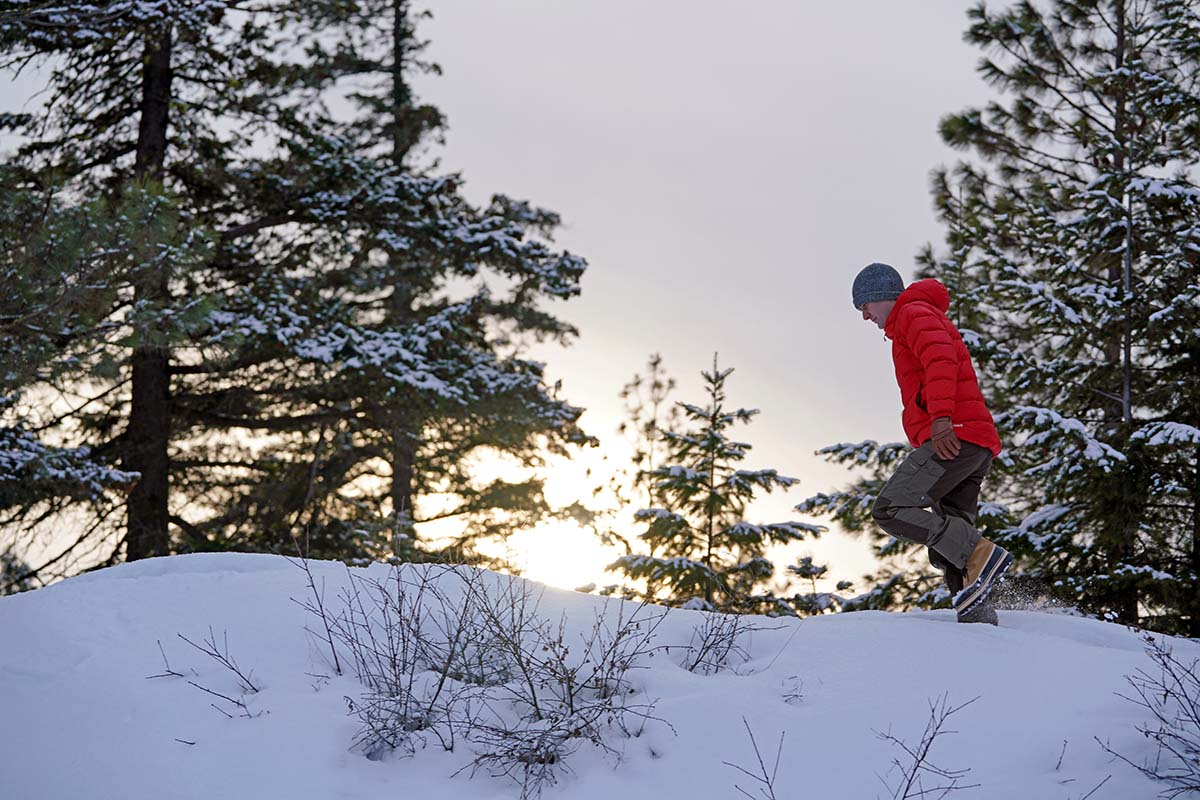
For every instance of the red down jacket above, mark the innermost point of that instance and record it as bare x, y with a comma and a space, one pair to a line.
934, 369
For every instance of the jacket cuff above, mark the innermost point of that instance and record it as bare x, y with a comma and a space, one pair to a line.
942, 410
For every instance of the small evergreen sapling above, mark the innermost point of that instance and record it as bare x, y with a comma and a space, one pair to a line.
702, 553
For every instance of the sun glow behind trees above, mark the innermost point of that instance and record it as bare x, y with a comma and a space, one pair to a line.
291, 341
561, 550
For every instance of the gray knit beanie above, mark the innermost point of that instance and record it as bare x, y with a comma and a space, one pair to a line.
877, 282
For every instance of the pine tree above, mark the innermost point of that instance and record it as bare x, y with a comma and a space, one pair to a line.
702, 553
241, 360
63, 266
1072, 262
133, 92
417, 372
1072, 265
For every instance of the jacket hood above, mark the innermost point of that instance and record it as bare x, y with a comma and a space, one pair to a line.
929, 291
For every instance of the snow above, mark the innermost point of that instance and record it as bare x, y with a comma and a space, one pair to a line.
1155, 187
1167, 434
26, 461
84, 718
657, 513
1043, 516
1054, 426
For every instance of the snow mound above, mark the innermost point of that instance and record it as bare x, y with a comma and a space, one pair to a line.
85, 715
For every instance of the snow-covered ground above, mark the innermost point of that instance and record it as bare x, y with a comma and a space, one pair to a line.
82, 716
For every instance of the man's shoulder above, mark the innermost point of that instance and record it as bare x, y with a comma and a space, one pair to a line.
917, 309
919, 322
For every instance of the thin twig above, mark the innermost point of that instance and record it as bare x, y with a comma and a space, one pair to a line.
792, 635
170, 673
222, 657
767, 789
237, 703
1097, 787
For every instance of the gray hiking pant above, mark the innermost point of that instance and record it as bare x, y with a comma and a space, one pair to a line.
934, 502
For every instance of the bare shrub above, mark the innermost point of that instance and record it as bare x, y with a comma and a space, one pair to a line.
531, 756
915, 767
315, 605
563, 691
1170, 691
453, 654
221, 654
419, 653
718, 643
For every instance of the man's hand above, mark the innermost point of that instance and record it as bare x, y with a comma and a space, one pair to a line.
945, 444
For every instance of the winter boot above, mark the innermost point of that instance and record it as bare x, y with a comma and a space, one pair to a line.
985, 567
985, 612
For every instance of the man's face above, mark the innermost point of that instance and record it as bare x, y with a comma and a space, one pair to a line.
877, 311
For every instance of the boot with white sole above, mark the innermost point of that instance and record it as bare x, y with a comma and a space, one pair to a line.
985, 568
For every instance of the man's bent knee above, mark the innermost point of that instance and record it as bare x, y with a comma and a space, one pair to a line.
902, 520
883, 511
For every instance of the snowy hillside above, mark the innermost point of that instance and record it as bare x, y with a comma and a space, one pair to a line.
85, 717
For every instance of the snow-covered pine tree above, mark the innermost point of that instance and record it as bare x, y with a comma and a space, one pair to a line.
815, 601
1085, 229
126, 123
1072, 264
63, 267
239, 300
1073, 252
414, 371
701, 552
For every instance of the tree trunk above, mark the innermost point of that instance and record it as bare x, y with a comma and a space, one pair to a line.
1194, 605
148, 433
403, 452
711, 509
405, 131
406, 127
1123, 529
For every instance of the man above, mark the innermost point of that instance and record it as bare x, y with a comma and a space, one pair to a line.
933, 497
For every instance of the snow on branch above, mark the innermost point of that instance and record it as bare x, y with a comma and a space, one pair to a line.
1160, 187
864, 452
1167, 434
1041, 519
1040, 295
1050, 427
28, 465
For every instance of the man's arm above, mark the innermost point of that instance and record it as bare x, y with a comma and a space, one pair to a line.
926, 335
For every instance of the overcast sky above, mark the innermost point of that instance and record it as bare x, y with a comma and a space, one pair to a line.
726, 168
